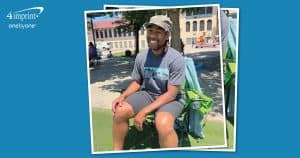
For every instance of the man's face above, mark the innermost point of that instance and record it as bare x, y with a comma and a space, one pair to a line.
156, 37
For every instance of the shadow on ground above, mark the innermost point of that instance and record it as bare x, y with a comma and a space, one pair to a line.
115, 71
148, 139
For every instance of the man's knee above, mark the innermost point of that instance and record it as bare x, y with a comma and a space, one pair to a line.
123, 112
164, 123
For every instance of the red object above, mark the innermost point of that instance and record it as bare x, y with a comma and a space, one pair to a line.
105, 24
205, 44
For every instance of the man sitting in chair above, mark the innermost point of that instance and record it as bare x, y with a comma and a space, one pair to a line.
160, 71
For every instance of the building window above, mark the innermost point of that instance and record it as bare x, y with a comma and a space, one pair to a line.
195, 12
209, 10
143, 44
201, 11
97, 34
193, 41
209, 25
119, 33
105, 33
120, 44
194, 25
110, 33
202, 25
189, 41
116, 45
115, 32
130, 44
111, 45
101, 34
189, 12
187, 27
125, 44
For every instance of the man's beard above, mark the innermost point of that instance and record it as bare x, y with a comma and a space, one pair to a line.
155, 45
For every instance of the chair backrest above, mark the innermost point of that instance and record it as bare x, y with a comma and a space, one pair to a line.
192, 90
197, 104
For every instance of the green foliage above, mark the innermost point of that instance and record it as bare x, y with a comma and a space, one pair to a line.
134, 20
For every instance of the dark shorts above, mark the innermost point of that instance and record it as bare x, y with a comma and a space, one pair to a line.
141, 99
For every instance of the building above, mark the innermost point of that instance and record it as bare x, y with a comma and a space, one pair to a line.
199, 25
107, 35
196, 24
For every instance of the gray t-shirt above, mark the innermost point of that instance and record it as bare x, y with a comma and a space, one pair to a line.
157, 72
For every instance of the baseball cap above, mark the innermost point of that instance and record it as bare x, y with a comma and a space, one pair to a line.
161, 21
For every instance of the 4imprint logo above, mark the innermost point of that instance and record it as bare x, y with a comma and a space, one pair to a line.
24, 18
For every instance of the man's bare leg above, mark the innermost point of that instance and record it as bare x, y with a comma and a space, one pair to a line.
120, 125
164, 123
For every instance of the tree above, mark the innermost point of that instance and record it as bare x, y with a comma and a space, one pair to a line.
133, 21
175, 35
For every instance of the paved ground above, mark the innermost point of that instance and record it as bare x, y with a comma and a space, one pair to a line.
114, 73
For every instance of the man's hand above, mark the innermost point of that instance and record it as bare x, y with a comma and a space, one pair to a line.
132, 88
117, 102
139, 119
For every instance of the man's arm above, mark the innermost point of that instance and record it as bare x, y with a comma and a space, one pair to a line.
132, 88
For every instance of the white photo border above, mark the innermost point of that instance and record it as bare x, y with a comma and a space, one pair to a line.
88, 77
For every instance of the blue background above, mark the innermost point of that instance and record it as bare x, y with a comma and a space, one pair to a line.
44, 94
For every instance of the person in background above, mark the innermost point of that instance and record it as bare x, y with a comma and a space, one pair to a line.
92, 54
